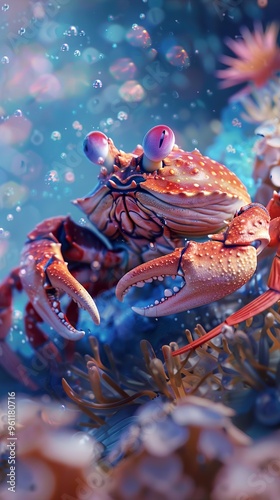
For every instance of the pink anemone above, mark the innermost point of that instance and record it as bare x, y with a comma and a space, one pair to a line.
257, 57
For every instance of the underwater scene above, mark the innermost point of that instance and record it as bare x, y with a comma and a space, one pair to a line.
139, 249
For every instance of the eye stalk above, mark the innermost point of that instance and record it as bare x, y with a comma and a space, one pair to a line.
96, 148
157, 144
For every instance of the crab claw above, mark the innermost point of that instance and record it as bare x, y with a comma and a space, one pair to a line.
45, 276
206, 272
209, 270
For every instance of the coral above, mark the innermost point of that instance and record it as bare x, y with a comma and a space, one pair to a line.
258, 58
252, 152
188, 442
51, 461
240, 370
170, 447
99, 390
263, 104
247, 362
266, 166
257, 470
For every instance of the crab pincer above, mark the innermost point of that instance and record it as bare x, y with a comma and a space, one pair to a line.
45, 277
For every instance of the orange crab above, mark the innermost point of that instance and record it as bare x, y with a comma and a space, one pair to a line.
143, 208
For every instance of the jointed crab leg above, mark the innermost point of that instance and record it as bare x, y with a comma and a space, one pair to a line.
261, 303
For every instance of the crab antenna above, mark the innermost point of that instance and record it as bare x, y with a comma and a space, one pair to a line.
157, 144
96, 148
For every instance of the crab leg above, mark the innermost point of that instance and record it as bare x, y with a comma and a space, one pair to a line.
266, 300
44, 276
6, 306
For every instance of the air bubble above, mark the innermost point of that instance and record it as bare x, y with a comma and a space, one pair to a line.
64, 47
21, 31
10, 217
77, 53
138, 36
95, 265
69, 177
18, 112
122, 115
132, 91
123, 69
5, 60
82, 33
37, 138
177, 56
82, 221
236, 123
72, 31
4, 234
56, 136
51, 177
5, 7
97, 84
77, 125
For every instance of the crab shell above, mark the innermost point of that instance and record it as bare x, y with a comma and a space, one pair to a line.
190, 194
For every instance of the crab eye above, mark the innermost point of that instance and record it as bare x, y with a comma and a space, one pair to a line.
157, 144
96, 147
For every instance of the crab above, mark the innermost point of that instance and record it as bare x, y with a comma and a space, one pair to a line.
144, 207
